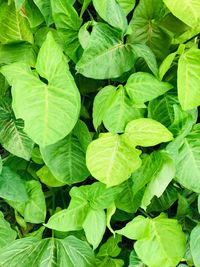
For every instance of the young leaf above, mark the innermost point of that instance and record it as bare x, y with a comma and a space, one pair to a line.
111, 160
189, 79
60, 95
111, 12
185, 10
159, 182
154, 247
147, 132
47, 177
101, 104
127, 5
100, 59
120, 111
94, 226
142, 87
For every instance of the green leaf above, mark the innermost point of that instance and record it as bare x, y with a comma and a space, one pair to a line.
11, 186
7, 234
72, 218
187, 162
185, 10
120, 111
189, 79
94, 226
105, 42
154, 246
134, 261
127, 5
13, 26
164, 173
47, 177
111, 12
45, 8
15, 52
34, 209
162, 109
18, 4
101, 103
68, 24
147, 132
66, 159
51, 251
166, 64
110, 160
145, 27
195, 245
12, 136
128, 200
46, 99
143, 51
33, 14
142, 87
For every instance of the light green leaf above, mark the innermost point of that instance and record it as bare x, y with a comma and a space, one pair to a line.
110, 212
45, 8
189, 79
127, 5
72, 218
38, 102
99, 196
111, 12
18, 4
120, 111
94, 226
154, 247
47, 252
47, 177
138, 228
101, 104
34, 209
185, 10
66, 159
161, 179
142, 87
187, 161
147, 132
195, 245
11, 186
12, 136
166, 64
143, 51
13, 26
7, 234
100, 59
111, 160
68, 24
110, 247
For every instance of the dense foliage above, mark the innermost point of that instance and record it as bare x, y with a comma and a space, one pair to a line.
99, 133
